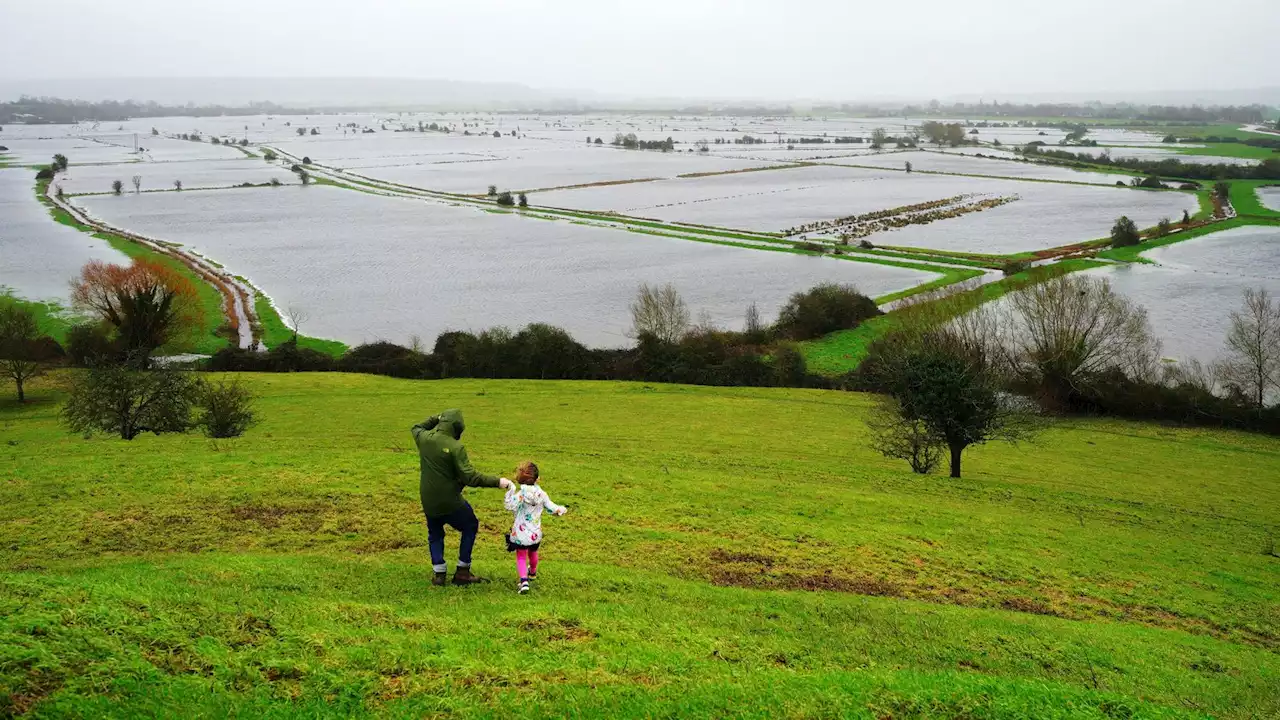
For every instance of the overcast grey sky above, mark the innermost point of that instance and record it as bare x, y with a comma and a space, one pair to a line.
821, 49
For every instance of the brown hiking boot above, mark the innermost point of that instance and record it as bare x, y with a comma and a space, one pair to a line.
463, 576
438, 579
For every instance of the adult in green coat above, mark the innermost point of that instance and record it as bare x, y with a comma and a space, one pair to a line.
445, 470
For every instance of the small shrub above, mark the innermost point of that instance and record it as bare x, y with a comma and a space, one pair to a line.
225, 409
866, 245
1013, 267
1163, 227
493, 190
524, 200
824, 309
306, 160
505, 199
117, 186
269, 155
45, 174
90, 344
275, 182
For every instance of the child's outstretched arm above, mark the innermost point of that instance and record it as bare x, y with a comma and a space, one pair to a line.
548, 504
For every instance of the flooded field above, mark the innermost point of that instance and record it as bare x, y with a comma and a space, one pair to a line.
161, 175
1270, 197
370, 268
38, 257
1190, 295
968, 165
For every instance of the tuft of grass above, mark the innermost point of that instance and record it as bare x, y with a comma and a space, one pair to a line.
1109, 570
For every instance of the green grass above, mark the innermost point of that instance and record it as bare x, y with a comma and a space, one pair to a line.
212, 337
51, 317
1245, 200
276, 332
842, 352
1108, 570
1234, 150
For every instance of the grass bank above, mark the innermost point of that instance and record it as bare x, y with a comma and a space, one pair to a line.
1108, 570
843, 351
275, 332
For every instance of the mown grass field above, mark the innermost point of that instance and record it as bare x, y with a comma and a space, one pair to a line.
728, 552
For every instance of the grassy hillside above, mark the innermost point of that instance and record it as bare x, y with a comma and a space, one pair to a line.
736, 552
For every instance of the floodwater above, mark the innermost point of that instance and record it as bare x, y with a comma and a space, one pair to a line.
38, 257
1270, 197
1190, 296
369, 268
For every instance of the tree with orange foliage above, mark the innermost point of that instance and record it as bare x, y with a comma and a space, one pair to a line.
148, 303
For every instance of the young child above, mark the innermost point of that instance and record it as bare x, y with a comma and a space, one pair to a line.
526, 500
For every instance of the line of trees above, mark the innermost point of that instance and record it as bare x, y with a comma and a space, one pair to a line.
49, 110
1268, 169
670, 347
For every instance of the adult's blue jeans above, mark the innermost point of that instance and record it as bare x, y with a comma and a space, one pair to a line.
463, 520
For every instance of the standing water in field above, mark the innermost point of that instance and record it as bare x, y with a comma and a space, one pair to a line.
38, 257
1191, 294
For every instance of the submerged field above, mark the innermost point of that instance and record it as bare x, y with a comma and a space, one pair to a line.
371, 268
723, 546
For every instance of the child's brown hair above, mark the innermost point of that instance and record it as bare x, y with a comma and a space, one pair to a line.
527, 473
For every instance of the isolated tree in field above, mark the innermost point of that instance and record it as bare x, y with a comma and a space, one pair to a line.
1072, 328
1164, 227
878, 137
955, 134
60, 162
1252, 365
296, 316
149, 304
304, 177
1125, 233
523, 200
660, 312
137, 184
127, 402
269, 155
908, 166
117, 187
315, 131
505, 199
493, 191
22, 355
301, 131
1186, 218
1222, 190
946, 382
177, 185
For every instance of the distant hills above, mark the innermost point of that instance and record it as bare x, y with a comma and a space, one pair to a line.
413, 93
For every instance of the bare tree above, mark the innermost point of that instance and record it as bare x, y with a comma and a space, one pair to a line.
753, 324
177, 185
1253, 348
116, 186
1072, 327
296, 316
660, 312
137, 184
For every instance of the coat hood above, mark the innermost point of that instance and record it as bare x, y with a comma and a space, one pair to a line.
451, 422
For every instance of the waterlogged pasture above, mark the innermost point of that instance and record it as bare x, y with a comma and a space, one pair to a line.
369, 268
1155, 154
161, 175
967, 165
1190, 295
1270, 197
38, 257
1046, 215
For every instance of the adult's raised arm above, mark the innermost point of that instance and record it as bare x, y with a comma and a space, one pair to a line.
428, 424
467, 475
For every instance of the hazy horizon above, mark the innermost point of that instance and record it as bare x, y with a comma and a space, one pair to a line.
694, 49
